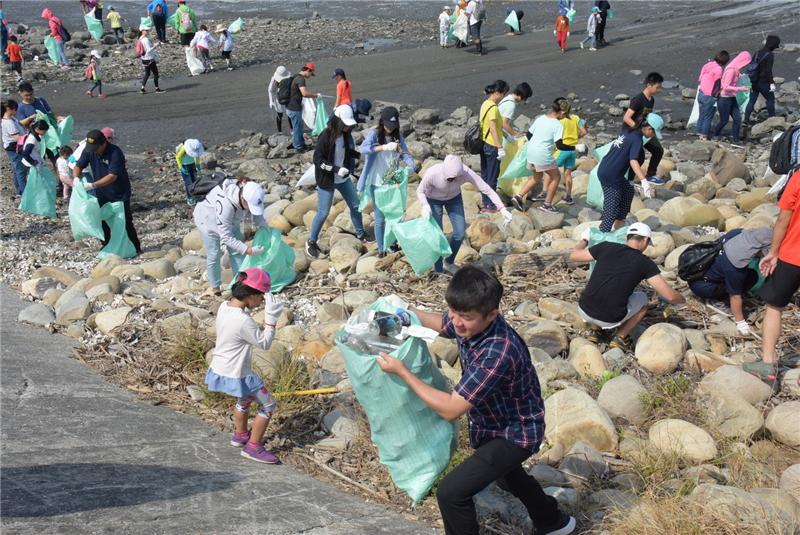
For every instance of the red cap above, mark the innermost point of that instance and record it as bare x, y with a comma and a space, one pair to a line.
108, 132
256, 278
309, 66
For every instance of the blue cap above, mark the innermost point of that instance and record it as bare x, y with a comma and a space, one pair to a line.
338, 72
655, 120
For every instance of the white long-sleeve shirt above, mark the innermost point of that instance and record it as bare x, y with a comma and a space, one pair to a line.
444, 20
237, 333
203, 39
220, 214
149, 50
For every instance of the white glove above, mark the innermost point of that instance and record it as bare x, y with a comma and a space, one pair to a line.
343, 172
743, 328
425, 211
647, 189
507, 217
389, 147
272, 310
88, 186
256, 250
567, 34
501, 153
580, 148
554, 32
772, 88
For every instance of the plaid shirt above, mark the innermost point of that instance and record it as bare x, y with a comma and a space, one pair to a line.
500, 383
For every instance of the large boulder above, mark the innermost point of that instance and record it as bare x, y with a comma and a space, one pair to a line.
75, 308
544, 221
481, 232
660, 348
191, 264
766, 127
783, 423
296, 210
790, 481
726, 166
621, 397
684, 439
39, 286
731, 415
748, 512
159, 269
689, 212
344, 256
749, 200
661, 244
109, 320
571, 415
64, 276
425, 116
106, 266
37, 314
547, 335
586, 357
733, 379
559, 310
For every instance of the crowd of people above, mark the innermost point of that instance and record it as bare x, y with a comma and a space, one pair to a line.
499, 391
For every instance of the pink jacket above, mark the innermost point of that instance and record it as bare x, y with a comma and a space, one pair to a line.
434, 184
730, 76
711, 72
55, 23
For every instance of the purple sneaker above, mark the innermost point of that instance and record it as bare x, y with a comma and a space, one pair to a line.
256, 452
238, 440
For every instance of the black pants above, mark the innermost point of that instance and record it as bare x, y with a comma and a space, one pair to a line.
150, 66
496, 460
279, 121
129, 228
656, 153
475, 34
119, 33
600, 32
98, 84
160, 23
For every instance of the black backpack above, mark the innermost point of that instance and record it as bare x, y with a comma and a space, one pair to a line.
782, 159
752, 68
65, 36
473, 141
203, 185
697, 259
284, 91
361, 108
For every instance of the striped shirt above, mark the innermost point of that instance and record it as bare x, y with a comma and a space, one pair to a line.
500, 383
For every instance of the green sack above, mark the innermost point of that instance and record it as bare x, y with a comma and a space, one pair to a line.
450, 36
277, 258
414, 442
172, 19
422, 241
52, 49
518, 166
753, 264
571, 16
742, 97
391, 198
65, 128
598, 236
363, 199
145, 22
94, 26
50, 140
594, 191
113, 213
39, 196
84, 214
236, 25
512, 20
321, 120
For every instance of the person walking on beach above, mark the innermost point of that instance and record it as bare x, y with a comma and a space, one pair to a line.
726, 103
605, 7
444, 26
294, 108
561, 32
159, 12
149, 58
640, 106
202, 42
279, 90
477, 14
187, 156
564, 6
344, 89
225, 45
763, 83
109, 180
383, 147
334, 161
116, 24
14, 53
500, 394
56, 28
491, 128
12, 132
185, 23
95, 75
230, 371
708, 92
591, 29
440, 190
219, 219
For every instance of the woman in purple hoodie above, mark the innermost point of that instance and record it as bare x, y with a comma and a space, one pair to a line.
710, 85
729, 86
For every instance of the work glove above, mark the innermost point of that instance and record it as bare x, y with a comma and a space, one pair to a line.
389, 147
501, 153
772, 88
256, 250
425, 212
647, 189
343, 172
743, 328
554, 32
580, 148
567, 34
404, 315
507, 217
88, 186
272, 310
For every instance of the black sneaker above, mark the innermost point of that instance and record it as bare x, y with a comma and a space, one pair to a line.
159, 90
365, 237
518, 202
143, 91
312, 249
563, 526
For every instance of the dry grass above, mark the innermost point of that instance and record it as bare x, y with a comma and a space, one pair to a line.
672, 397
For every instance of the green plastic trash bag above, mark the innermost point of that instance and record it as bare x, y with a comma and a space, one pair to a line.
598, 236
363, 200
571, 15
321, 120
450, 36
39, 196
391, 198
594, 191
145, 22
517, 166
512, 20
742, 97
65, 128
236, 25
84, 214
413, 442
94, 26
119, 244
277, 258
55, 136
171, 20
52, 49
422, 241
753, 264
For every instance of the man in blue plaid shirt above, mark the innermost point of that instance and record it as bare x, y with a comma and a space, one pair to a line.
500, 393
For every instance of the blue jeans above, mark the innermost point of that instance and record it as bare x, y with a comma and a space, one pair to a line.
380, 221
728, 107
296, 120
760, 88
189, 176
19, 169
490, 170
591, 39
62, 54
214, 258
455, 211
324, 202
707, 106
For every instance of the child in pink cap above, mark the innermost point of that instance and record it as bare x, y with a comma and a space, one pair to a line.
231, 368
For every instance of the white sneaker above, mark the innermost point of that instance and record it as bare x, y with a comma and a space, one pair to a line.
593, 49
581, 45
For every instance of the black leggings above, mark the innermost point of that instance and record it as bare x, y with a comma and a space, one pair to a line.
150, 66
98, 84
279, 121
656, 153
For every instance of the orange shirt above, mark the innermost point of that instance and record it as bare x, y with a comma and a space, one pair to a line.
14, 52
562, 24
790, 200
344, 92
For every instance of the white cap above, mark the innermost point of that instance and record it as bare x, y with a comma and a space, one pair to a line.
253, 193
193, 148
143, 28
281, 73
639, 229
95, 53
345, 113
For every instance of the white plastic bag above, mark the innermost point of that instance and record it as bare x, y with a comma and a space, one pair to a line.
309, 112
695, 115
193, 62
308, 178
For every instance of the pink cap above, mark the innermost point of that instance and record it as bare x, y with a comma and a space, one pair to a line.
108, 132
256, 278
